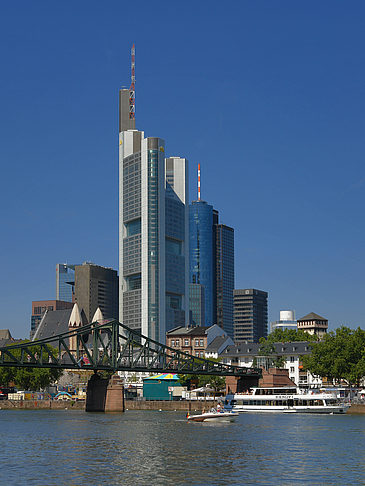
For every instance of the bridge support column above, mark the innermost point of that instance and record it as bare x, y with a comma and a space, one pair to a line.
105, 395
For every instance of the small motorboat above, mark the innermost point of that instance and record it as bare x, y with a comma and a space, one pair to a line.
214, 415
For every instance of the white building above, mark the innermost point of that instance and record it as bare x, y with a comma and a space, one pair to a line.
286, 321
249, 355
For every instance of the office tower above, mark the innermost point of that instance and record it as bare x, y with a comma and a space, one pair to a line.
197, 304
286, 321
153, 230
224, 276
39, 307
65, 282
312, 323
249, 315
176, 245
202, 253
212, 261
96, 286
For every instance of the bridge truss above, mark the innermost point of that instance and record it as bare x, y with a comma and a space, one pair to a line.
112, 346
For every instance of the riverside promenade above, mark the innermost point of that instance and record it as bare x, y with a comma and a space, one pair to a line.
129, 405
181, 405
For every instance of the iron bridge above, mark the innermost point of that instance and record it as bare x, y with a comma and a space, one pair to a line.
112, 346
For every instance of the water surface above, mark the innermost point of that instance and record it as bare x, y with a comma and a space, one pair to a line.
161, 448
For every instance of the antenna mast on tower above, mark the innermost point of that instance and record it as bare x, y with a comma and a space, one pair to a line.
132, 93
198, 182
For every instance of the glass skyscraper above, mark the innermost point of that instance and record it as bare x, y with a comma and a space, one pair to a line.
212, 263
65, 282
224, 271
201, 252
153, 229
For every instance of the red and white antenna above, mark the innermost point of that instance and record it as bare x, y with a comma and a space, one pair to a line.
198, 182
132, 89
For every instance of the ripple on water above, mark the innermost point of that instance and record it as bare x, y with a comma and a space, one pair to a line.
161, 448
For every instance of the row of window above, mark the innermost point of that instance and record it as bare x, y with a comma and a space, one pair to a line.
176, 342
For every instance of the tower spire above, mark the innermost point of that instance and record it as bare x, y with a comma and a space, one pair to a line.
198, 182
132, 93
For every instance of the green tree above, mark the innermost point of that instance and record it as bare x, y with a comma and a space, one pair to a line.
29, 378
214, 381
267, 346
288, 336
339, 356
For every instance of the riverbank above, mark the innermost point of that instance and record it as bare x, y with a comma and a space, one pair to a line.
164, 405
41, 405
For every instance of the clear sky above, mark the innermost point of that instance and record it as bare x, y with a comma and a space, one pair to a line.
267, 96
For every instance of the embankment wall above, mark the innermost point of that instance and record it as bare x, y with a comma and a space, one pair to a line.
41, 405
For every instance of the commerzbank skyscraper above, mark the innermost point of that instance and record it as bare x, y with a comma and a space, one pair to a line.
153, 229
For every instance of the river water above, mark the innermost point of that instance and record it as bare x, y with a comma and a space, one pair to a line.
162, 448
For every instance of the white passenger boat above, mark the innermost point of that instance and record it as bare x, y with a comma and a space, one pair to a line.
213, 416
286, 400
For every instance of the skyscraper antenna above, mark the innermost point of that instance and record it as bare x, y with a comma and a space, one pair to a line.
198, 182
132, 89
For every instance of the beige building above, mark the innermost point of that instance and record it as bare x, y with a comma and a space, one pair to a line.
313, 324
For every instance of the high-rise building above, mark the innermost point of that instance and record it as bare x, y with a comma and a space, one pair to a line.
212, 262
197, 304
224, 276
201, 253
249, 315
153, 230
96, 286
65, 282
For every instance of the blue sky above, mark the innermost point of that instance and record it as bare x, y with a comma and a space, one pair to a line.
267, 96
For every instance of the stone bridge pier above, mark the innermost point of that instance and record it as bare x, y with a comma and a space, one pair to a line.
105, 394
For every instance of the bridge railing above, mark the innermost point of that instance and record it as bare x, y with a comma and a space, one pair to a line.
112, 346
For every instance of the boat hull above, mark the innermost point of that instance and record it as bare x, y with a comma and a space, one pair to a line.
322, 410
213, 417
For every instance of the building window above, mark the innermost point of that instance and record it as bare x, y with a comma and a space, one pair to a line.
202, 342
196, 342
173, 342
177, 342
186, 342
292, 359
292, 369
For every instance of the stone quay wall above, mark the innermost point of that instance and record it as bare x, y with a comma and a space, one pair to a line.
357, 408
172, 405
41, 405
129, 405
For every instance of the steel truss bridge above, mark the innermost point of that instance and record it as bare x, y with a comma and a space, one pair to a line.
112, 346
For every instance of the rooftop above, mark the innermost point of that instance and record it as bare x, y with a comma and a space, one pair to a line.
312, 316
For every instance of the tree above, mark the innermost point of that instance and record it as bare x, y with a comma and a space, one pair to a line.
29, 378
339, 356
267, 346
288, 336
214, 381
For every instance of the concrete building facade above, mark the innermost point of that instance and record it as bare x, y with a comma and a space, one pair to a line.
96, 286
249, 315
